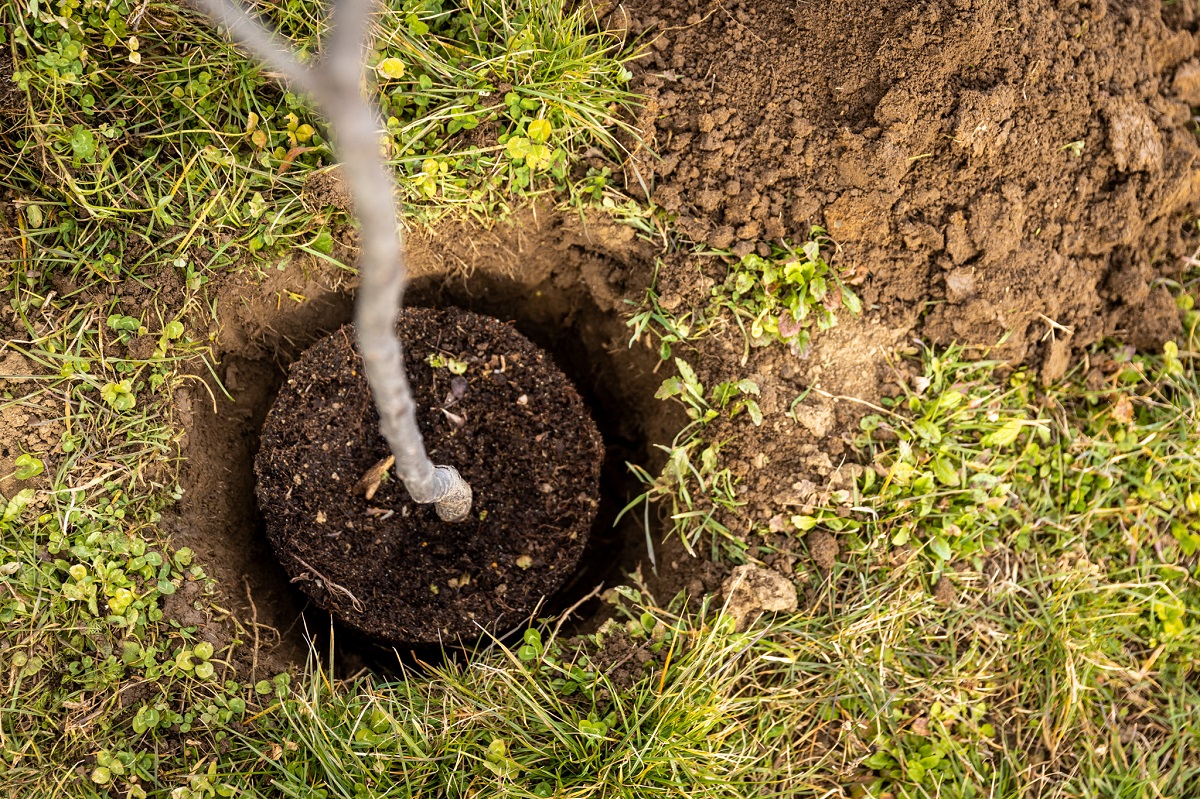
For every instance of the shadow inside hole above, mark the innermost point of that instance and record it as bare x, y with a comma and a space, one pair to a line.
219, 517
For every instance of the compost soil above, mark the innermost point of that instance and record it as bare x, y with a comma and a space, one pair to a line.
490, 403
1018, 173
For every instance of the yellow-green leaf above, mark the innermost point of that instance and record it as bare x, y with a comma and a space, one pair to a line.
945, 472
28, 466
17, 503
119, 396
539, 156
1005, 436
756, 414
540, 130
391, 68
517, 148
940, 547
804, 522
927, 430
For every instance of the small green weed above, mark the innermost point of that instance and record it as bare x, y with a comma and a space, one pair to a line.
781, 297
697, 486
651, 320
778, 298
736, 396
770, 299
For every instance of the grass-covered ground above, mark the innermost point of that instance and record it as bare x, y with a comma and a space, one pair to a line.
1013, 611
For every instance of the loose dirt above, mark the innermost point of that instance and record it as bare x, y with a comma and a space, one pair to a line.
492, 405
11, 98
1009, 170
27, 425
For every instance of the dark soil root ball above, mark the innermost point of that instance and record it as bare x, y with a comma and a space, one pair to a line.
492, 405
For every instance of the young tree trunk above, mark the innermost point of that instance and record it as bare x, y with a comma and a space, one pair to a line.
336, 83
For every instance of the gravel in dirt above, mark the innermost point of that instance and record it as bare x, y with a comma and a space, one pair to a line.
511, 423
1004, 164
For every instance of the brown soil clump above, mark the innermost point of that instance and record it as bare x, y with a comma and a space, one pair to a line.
511, 423
750, 590
1005, 164
944, 591
824, 549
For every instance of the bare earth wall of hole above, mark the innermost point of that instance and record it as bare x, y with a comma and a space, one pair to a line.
560, 286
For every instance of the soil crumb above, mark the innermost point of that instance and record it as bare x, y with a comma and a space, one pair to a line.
1023, 169
944, 591
491, 404
750, 590
823, 548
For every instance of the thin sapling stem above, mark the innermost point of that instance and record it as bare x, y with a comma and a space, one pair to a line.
336, 83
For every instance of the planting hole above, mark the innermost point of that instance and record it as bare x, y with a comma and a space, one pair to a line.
218, 516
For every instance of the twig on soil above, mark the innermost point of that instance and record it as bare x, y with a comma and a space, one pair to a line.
336, 83
254, 625
135, 21
738, 22
1192, 261
701, 21
562, 619
1055, 327
330, 585
843, 397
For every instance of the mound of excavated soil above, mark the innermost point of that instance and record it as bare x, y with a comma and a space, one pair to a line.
511, 423
1006, 164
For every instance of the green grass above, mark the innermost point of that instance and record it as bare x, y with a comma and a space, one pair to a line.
184, 153
538, 723
1064, 517
1065, 667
